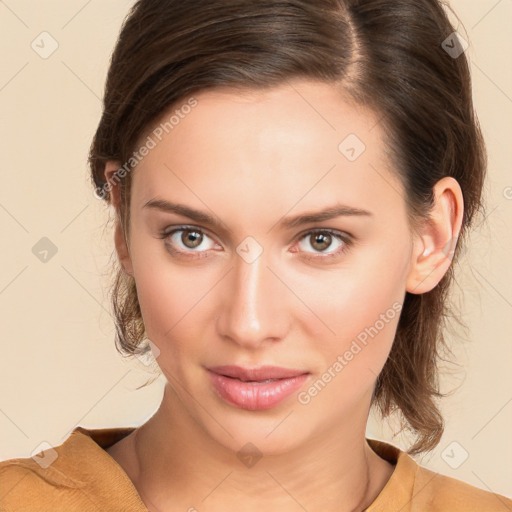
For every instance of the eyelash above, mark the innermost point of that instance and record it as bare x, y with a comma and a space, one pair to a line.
343, 237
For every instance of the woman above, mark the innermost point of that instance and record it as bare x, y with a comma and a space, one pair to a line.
292, 182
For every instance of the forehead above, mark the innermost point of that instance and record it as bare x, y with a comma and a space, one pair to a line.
302, 141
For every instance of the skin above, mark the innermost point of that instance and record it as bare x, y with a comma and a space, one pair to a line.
250, 159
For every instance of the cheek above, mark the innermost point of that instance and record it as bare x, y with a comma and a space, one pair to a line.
360, 294
172, 300
171, 321
354, 358
363, 310
160, 305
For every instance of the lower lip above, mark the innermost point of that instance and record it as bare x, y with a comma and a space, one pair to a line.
255, 396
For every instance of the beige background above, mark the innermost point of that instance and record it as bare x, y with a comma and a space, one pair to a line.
59, 367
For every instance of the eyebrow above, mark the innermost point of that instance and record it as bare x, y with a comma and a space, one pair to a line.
328, 213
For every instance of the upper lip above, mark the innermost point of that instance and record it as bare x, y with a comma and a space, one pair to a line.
256, 374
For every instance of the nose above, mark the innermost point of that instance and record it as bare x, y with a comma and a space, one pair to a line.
254, 310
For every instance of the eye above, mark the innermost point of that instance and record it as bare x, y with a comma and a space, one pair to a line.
186, 239
322, 239
189, 242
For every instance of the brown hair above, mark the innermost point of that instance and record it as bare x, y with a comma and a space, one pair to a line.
386, 54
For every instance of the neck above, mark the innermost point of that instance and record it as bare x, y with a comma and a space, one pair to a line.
179, 467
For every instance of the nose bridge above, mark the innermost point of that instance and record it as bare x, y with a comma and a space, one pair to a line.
251, 315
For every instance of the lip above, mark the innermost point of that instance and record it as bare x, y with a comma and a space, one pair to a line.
247, 388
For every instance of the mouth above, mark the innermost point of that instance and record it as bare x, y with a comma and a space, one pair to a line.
256, 388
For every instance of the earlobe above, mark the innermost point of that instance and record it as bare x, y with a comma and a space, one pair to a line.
120, 241
434, 247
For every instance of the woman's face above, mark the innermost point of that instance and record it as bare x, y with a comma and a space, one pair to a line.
266, 285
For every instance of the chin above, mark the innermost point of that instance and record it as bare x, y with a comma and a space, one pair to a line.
267, 434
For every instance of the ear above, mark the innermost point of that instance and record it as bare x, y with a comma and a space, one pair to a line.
434, 246
121, 243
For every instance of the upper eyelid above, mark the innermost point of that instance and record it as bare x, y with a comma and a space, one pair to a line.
184, 227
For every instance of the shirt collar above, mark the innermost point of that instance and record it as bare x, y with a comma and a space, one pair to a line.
88, 446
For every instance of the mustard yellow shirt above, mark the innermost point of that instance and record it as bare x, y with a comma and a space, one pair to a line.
85, 478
